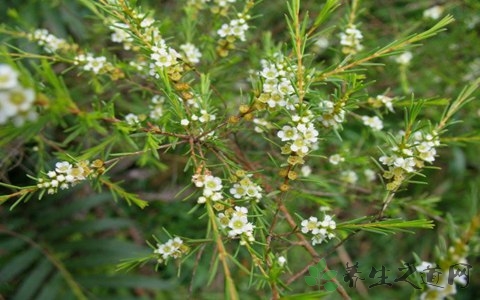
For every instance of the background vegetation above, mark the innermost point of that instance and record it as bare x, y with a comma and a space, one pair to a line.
69, 245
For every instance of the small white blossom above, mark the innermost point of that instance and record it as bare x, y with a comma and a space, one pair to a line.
192, 54
173, 248
374, 122
121, 34
321, 230
281, 261
8, 77
387, 101
351, 40
369, 174
349, 177
288, 133
306, 170
164, 56
92, 63
132, 119
433, 12
235, 28
335, 159
48, 41
404, 58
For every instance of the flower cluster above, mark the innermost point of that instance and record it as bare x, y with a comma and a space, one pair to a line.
236, 223
212, 187
230, 32
332, 114
191, 53
16, 101
132, 119
66, 175
277, 88
163, 56
262, 125
204, 116
143, 26
235, 29
321, 230
89, 62
218, 6
245, 188
122, 35
48, 41
351, 40
373, 122
408, 158
442, 287
381, 100
156, 107
174, 248
300, 138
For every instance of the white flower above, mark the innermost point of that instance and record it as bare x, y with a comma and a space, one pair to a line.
281, 261
212, 183
238, 191
321, 230
328, 222
306, 170
374, 122
387, 101
351, 39
404, 58
63, 167
22, 117
15, 100
132, 119
192, 54
236, 28
336, 159
184, 122
121, 35
288, 133
163, 56
311, 224
433, 12
407, 164
147, 22
269, 72
349, 177
91, 63
8, 77
369, 174
299, 145
205, 116
49, 42
322, 43
7, 108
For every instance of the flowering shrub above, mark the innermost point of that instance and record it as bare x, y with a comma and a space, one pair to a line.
279, 144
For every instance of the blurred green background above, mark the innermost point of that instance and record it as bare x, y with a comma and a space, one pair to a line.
74, 240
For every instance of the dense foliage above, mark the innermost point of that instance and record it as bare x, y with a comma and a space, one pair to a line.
239, 149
